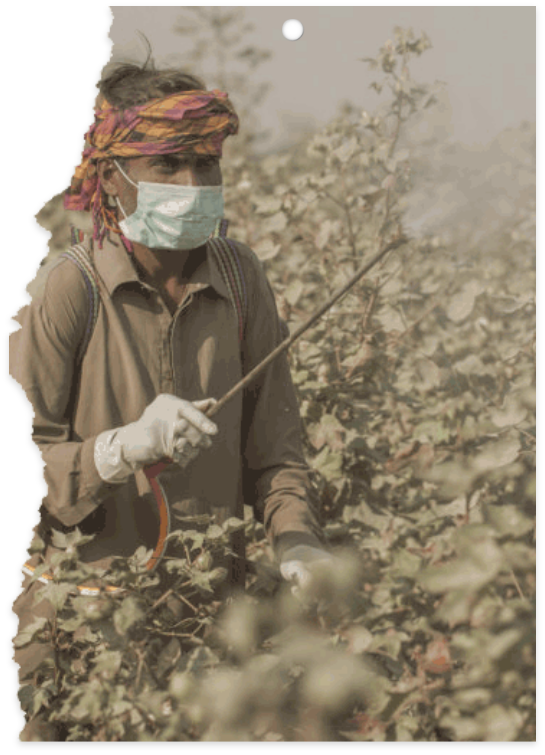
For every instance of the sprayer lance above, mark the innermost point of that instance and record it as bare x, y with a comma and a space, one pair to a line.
154, 469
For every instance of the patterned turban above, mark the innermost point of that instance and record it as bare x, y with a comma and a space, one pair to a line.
194, 121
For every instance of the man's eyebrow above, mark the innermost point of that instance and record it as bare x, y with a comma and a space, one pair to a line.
188, 159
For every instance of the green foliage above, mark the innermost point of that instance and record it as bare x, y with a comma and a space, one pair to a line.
417, 394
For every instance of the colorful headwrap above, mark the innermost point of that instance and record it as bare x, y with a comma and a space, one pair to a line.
195, 121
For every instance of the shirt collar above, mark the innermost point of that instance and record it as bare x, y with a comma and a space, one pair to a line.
115, 267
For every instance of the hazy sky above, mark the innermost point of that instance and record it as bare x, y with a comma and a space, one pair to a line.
485, 54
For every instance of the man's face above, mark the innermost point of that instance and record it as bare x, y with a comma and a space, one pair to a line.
180, 169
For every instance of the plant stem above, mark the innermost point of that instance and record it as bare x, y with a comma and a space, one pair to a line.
187, 602
167, 594
517, 585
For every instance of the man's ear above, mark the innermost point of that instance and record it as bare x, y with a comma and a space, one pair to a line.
108, 174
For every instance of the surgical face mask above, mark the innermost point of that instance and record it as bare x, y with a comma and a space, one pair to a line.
169, 216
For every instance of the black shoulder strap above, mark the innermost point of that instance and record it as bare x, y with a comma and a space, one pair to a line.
80, 257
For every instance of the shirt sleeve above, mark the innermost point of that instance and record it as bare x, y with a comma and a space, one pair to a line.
276, 477
42, 360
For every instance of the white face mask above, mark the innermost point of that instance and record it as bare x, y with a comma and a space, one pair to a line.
169, 216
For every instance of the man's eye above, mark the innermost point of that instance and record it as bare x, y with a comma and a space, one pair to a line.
171, 165
207, 162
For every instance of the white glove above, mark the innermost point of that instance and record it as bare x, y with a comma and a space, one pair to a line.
297, 564
169, 426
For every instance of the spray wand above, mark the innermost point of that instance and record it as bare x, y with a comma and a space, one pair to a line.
154, 469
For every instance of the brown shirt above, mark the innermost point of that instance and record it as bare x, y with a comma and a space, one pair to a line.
137, 351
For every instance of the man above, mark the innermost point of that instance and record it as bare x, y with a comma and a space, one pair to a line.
166, 344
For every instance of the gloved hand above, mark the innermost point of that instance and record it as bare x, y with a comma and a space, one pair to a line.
169, 426
297, 565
